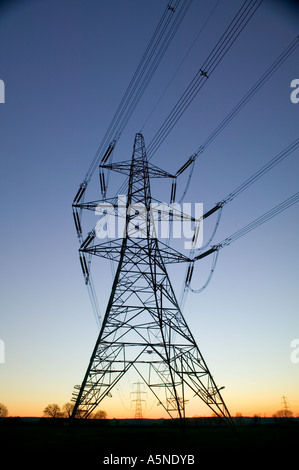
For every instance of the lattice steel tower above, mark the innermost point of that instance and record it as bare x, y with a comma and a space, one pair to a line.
143, 327
138, 401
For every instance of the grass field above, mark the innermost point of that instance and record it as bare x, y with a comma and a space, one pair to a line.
89, 444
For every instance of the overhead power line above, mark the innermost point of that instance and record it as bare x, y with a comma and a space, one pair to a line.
271, 164
219, 207
159, 43
181, 63
246, 98
253, 178
213, 250
252, 225
252, 91
167, 27
260, 220
247, 183
213, 60
190, 163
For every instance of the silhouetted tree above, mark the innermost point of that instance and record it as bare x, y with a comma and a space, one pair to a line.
3, 411
100, 415
53, 411
68, 409
283, 414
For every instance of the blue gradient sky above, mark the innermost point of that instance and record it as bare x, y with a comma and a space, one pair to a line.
66, 65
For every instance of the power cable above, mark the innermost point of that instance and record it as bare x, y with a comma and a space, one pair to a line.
167, 27
259, 221
163, 34
219, 207
247, 97
251, 226
181, 64
220, 50
271, 164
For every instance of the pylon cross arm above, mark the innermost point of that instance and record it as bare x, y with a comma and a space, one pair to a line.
125, 168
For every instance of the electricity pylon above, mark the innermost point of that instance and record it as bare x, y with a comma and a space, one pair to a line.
138, 401
143, 327
286, 408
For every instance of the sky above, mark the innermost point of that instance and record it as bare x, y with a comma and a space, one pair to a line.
66, 65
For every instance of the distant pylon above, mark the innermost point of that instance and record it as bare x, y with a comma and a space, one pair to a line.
286, 407
138, 401
143, 328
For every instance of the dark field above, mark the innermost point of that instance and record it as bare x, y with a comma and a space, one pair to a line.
56, 443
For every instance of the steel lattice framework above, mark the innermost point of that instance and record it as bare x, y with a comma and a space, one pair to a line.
143, 327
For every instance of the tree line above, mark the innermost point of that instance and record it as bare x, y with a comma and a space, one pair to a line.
53, 410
